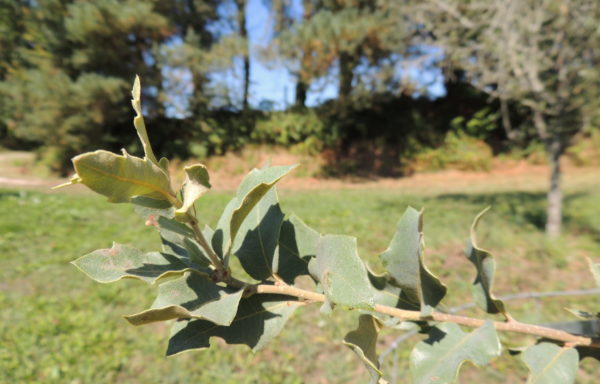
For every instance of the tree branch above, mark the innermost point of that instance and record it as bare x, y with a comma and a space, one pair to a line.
513, 326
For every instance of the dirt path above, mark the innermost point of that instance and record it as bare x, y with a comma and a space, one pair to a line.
17, 171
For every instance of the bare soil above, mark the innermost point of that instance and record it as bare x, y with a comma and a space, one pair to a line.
17, 170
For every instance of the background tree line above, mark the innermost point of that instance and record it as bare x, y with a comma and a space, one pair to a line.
515, 72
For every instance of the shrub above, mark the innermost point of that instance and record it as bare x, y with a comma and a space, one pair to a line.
458, 151
304, 131
586, 150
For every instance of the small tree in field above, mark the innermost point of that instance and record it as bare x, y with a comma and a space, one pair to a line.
206, 298
544, 54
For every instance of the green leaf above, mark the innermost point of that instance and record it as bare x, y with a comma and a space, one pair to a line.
589, 328
120, 178
259, 319
260, 236
386, 293
439, 358
174, 226
363, 341
341, 272
584, 314
163, 163
196, 184
404, 261
595, 268
297, 246
191, 296
486, 267
178, 239
138, 121
121, 261
254, 186
550, 364
145, 207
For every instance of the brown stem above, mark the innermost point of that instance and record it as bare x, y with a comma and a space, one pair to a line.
511, 326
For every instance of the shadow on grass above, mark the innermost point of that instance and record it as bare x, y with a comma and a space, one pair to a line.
530, 208
8, 193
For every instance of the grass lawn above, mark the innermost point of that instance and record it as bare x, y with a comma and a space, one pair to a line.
58, 326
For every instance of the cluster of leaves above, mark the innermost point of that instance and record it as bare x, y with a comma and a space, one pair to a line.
196, 287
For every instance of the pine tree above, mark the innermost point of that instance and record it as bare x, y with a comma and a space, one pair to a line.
70, 68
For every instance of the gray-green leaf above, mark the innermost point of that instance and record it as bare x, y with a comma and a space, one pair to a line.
196, 184
550, 364
584, 314
363, 341
191, 296
254, 186
404, 261
297, 246
259, 319
341, 272
486, 266
259, 235
138, 121
120, 178
121, 261
385, 293
178, 239
439, 358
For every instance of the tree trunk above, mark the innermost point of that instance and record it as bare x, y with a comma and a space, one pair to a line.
505, 112
198, 99
554, 149
554, 209
301, 88
345, 78
241, 5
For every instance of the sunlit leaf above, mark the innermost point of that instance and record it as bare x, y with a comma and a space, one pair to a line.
254, 186
439, 358
341, 272
486, 267
386, 293
196, 184
259, 319
138, 122
363, 341
297, 246
120, 178
550, 364
404, 261
259, 235
191, 296
121, 261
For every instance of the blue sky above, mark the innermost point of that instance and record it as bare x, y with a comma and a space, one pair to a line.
273, 82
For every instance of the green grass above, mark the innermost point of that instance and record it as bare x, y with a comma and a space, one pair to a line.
58, 326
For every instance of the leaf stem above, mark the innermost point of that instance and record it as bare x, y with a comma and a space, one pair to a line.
204, 244
511, 326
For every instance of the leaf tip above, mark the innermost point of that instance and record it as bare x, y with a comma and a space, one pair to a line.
135, 92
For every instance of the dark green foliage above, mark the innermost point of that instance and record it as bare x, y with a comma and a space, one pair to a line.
65, 66
458, 151
304, 130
